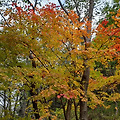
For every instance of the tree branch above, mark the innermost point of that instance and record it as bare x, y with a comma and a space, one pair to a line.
63, 7
76, 6
75, 106
35, 5
31, 4
63, 107
90, 11
4, 19
39, 60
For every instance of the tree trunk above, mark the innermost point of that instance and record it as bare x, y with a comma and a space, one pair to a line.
83, 110
15, 105
22, 104
68, 111
34, 102
116, 108
9, 102
83, 102
85, 77
75, 105
4, 103
32, 93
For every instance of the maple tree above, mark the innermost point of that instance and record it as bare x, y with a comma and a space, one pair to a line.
107, 43
47, 55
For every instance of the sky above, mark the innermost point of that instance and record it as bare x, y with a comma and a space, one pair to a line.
56, 1
52, 1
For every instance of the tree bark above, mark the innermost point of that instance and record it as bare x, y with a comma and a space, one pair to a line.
9, 102
75, 105
34, 102
90, 10
22, 104
85, 77
68, 111
4, 102
83, 103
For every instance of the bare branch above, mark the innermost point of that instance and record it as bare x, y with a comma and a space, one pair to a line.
63, 7
31, 4
35, 5
4, 19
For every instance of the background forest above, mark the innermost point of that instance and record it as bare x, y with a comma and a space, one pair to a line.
59, 62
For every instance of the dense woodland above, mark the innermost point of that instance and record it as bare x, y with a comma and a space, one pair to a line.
59, 62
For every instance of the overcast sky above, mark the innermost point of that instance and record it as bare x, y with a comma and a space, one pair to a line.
53, 1
56, 1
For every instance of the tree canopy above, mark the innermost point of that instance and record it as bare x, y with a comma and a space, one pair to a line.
49, 66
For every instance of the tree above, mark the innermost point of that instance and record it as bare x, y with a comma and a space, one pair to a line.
81, 7
61, 55
85, 77
110, 31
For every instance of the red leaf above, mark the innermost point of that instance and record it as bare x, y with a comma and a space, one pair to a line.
58, 96
104, 22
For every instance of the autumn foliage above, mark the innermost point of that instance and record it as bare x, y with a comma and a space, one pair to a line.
61, 54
